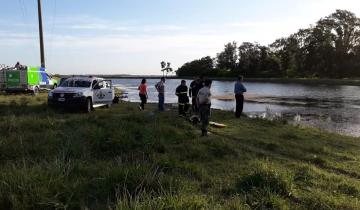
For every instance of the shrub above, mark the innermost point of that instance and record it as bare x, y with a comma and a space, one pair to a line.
264, 179
303, 174
348, 189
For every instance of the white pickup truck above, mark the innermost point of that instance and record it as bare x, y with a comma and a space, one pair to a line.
86, 93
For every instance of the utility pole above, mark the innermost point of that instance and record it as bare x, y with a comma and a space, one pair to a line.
42, 53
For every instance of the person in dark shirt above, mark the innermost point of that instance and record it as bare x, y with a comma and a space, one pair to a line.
160, 87
239, 90
183, 99
195, 86
18, 65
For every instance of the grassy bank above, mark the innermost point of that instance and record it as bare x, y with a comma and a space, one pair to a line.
121, 158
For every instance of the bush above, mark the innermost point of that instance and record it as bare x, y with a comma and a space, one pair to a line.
264, 179
304, 174
348, 189
165, 201
264, 188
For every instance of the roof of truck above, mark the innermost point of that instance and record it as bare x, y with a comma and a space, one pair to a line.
88, 78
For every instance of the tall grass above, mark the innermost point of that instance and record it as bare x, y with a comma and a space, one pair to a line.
121, 158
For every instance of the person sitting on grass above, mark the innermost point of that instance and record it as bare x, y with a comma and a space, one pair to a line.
183, 99
143, 94
204, 103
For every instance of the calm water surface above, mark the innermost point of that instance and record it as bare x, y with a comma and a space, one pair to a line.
334, 108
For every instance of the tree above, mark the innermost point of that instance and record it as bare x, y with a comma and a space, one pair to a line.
166, 67
330, 48
203, 66
342, 29
291, 52
249, 58
227, 59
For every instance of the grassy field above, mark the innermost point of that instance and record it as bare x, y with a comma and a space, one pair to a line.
121, 158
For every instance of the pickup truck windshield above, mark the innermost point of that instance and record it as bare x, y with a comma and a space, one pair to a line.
75, 83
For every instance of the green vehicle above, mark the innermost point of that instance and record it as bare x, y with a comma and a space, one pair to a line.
27, 79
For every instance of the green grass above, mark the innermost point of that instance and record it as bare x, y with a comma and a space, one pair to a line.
121, 158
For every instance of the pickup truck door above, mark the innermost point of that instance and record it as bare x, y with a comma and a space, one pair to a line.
103, 92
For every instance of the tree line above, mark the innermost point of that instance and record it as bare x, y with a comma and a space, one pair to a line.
329, 49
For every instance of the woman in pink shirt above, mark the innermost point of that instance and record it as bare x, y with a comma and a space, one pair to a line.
143, 94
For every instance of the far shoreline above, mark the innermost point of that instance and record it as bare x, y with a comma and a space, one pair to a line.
306, 81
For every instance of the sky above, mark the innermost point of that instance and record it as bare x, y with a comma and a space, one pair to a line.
134, 36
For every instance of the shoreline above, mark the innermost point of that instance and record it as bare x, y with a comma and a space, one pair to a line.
305, 81
272, 117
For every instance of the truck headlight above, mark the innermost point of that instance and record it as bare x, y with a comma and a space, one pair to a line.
78, 95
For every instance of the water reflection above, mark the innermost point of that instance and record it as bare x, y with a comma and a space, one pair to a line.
334, 108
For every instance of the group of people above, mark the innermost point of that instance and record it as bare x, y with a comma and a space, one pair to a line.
200, 95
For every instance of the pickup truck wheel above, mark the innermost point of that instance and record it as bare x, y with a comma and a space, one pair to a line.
88, 105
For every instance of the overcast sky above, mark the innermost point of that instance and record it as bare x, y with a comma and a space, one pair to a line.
134, 36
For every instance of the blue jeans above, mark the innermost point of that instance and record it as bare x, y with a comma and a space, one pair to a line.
161, 102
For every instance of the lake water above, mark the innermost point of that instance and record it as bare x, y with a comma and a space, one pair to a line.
333, 108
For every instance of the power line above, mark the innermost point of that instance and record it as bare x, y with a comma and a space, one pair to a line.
52, 29
21, 3
25, 19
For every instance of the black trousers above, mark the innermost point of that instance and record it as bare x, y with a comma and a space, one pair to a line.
143, 100
239, 104
183, 108
204, 117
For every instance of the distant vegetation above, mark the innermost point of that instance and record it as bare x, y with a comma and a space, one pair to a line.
121, 158
329, 49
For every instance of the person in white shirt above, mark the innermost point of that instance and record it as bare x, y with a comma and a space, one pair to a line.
204, 103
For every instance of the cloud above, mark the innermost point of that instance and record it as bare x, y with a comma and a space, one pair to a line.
114, 27
89, 26
87, 44
152, 28
17, 39
98, 26
144, 47
272, 24
87, 23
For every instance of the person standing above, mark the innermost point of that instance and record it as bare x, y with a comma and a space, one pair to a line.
160, 87
18, 65
204, 103
183, 99
195, 86
143, 94
239, 91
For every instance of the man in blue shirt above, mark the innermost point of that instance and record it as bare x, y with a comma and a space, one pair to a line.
239, 91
